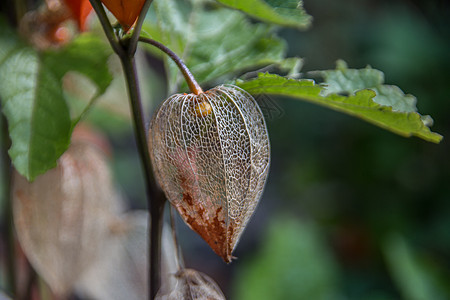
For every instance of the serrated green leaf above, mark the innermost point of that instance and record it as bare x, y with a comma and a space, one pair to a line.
282, 12
351, 80
212, 41
360, 104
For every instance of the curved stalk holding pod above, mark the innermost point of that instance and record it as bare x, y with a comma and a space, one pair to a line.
192, 83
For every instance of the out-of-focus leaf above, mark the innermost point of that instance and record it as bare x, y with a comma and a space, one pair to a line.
212, 41
360, 104
88, 55
121, 270
282, 12
413, 277
38, 117
64, 215
32, 97
191, 284
292, 263
3, 296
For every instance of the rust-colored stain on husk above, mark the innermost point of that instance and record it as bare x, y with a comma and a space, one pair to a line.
214, 231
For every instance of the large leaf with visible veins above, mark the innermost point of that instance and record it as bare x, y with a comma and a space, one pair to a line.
384, 106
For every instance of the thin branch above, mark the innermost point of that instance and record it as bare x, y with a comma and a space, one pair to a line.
156, 198
107, 28
156, 225
180, 262
192, 83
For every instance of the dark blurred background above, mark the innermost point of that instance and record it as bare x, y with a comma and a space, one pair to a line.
352, 211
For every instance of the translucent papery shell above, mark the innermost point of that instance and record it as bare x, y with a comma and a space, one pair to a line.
63, 216
121, 271
211, 157
191, 284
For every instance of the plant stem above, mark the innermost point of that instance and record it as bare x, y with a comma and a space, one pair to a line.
155, 197
180, 262
192, 83
107, 28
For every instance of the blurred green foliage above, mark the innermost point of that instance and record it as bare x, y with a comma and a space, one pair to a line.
348, 187
368, 211
292, 263
360, 184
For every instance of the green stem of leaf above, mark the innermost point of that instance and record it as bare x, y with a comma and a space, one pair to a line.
192, 83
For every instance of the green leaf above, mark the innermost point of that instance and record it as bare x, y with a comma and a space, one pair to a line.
415, 279
213, 41
360, 104
282, 12
293, 263
32, 101
32, 97
88, 54
351, 80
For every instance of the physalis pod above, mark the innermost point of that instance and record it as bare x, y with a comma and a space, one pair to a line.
63, 216
191, 284
210, 153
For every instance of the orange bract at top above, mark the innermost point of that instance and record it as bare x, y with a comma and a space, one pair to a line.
125, 11
80, 10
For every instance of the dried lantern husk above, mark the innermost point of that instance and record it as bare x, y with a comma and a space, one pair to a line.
190, 285
63, 216
211, 154
122, 270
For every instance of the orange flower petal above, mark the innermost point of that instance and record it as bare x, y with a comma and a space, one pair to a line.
125, 11
80, 10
